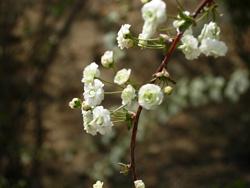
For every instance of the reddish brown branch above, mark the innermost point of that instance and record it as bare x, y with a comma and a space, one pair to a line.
165, 61
132, 143
170, 52
201, 6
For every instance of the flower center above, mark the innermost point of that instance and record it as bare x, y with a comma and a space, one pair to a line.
149, 97
92, 93
150, 15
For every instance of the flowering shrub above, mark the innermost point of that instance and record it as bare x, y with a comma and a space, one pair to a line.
148, 96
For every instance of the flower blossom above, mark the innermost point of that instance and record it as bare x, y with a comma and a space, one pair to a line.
211, 30
122, 76
128, 94
101, 120
139, 184
87, 118
90, 73
190, 47
150, 96
98, 184
153, 13
97, 120
210, 43
94, 93
213, 47
107, 59
123, 37
75, 103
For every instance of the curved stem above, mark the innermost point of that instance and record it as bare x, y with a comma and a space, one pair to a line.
170, 52
133, 143
165, 61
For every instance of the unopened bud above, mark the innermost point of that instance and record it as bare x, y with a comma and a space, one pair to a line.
107, 59
163, 73
168, 90
124, 168
85, 106
75, 103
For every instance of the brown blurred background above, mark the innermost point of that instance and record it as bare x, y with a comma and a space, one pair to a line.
199, 138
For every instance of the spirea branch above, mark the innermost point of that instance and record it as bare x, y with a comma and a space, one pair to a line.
100, 120
164, 63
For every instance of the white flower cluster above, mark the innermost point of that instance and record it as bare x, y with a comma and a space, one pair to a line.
95, 118
207, 43
153, 14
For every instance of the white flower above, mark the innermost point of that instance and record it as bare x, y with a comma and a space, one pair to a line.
97, 120
139, 184
150, 95
87, 118
107, 59
211, 31
213, 47
190, 47
101, 120
122, 76
153, 13
128, 94
148, 30
98, 184
210, 44
94, 93
90, 73
75, 103
122, 37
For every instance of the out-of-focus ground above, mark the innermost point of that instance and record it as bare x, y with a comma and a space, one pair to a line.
44, 48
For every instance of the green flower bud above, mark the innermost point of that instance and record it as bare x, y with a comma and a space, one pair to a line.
75, 103
168, 90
